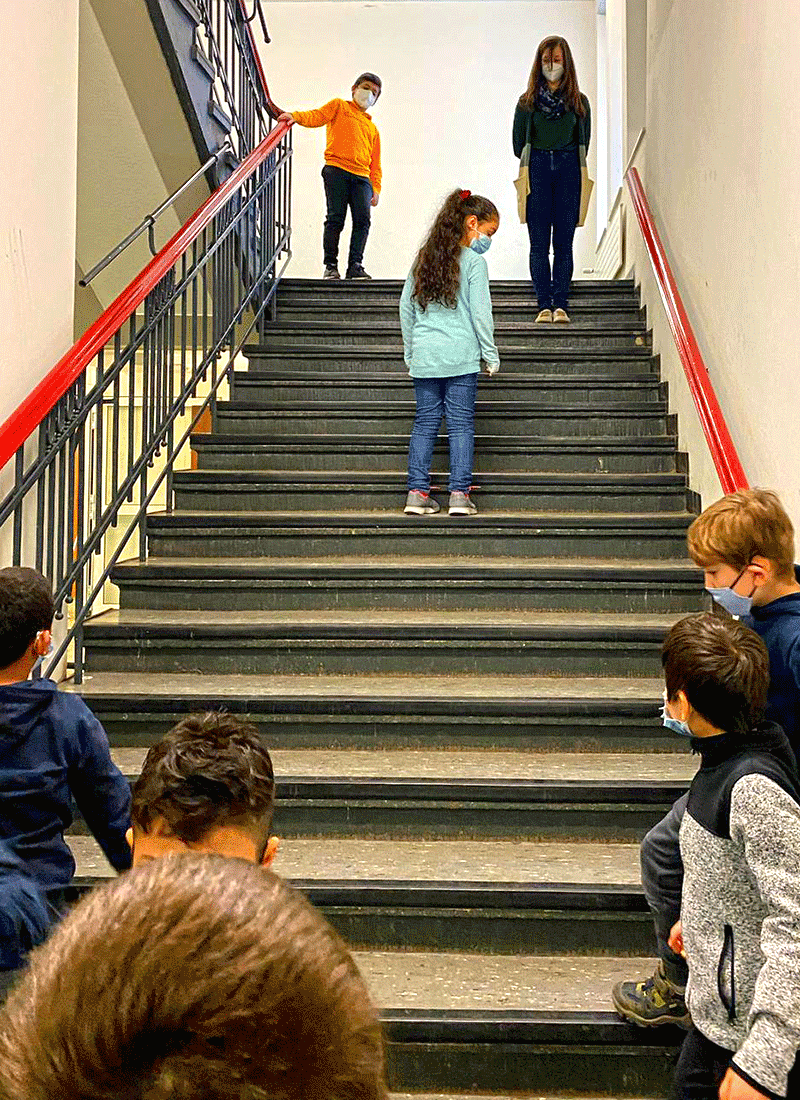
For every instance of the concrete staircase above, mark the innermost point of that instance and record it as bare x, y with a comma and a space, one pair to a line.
463, 712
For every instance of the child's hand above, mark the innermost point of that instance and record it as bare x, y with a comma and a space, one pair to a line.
676, 939
374, 200
734, 1087
492, 368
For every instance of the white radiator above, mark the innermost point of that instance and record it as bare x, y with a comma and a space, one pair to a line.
610, 251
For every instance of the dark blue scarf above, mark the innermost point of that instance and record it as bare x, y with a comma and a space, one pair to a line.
551, 104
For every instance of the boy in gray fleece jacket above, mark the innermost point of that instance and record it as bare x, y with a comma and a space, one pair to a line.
740, 843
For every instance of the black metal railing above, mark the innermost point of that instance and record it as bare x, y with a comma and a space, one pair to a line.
137, 384
233, 54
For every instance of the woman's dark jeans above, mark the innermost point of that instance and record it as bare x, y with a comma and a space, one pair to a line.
553, 208
455, 399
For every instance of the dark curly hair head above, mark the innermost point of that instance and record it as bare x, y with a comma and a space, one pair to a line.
26, 607
437, 269
209, 770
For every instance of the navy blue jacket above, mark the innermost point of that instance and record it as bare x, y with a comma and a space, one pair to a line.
778, 623
53, 749
25, 916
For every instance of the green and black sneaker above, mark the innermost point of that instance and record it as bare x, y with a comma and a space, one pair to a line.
653, 1002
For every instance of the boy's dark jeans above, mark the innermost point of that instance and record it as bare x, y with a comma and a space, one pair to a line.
702, 1066
553, 208
662, 880
343, 190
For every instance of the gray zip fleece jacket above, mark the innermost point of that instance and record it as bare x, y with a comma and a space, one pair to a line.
740, 843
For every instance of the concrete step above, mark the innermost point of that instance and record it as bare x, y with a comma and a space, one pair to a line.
391, 643
513, 897
278, 389
494, 454
322, 534
508, 317
530, 361
564, 714
408, 584
632, 419
365, 335
440, 794
500, 288
251, 490
385, 308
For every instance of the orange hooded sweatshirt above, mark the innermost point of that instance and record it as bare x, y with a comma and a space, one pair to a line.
354, 143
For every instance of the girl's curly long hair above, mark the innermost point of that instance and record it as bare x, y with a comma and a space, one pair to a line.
437, 268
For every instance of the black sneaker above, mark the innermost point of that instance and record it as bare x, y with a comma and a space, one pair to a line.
653, 1002
357, 272
331, 272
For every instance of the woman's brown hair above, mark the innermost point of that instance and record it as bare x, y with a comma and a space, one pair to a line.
437, 268
569, 81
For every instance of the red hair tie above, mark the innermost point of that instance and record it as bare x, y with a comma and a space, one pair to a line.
465, 195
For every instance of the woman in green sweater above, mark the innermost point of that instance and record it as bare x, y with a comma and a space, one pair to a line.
446, 318
555, 118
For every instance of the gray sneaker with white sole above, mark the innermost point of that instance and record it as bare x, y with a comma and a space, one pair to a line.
461, 505
421, 504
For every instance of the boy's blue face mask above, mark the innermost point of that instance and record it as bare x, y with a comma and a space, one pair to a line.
733, 603
36, 671
481, 244
674, 724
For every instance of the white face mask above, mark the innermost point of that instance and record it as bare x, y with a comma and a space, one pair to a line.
364, 98
553, 73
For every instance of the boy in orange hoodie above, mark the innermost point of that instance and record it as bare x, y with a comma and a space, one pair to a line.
352, 171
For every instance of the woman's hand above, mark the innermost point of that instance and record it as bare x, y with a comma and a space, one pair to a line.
492, 368
374, 200
287, 116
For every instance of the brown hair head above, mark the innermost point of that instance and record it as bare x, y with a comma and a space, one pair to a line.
741, 526
721, 666
437, 268
210, 770
193, 976
26, 607
569, 82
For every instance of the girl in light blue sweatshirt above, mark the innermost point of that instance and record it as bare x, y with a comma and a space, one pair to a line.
446, 318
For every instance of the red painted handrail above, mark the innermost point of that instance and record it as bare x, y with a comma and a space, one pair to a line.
39, 402
723, 452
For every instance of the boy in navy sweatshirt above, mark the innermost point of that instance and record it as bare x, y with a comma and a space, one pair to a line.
25, 916
744, 543
52, 749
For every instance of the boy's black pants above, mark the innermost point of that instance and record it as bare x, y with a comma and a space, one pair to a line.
702, 1066
343, 190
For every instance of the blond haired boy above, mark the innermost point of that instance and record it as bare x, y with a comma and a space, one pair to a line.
744, 543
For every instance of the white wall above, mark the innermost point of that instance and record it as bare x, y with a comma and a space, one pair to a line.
38, 132
720, 171
452, 74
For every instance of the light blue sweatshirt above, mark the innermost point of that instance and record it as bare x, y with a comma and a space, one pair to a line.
440, 342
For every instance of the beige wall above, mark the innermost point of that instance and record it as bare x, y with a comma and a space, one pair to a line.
38, 130
452, 74
720, 170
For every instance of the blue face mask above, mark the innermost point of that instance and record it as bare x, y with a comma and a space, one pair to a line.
481, 244
36, 671
733, 603
673, 723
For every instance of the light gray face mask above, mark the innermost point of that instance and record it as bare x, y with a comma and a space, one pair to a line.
553, 73
364, 98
